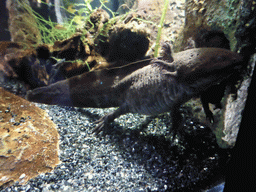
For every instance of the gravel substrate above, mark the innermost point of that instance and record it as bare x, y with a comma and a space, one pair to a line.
125, 159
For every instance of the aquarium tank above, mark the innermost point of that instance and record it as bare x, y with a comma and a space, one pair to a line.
122, 95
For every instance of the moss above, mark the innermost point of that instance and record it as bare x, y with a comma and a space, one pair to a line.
219, 134
226, 18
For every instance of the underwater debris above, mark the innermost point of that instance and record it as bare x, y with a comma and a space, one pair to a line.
28, 65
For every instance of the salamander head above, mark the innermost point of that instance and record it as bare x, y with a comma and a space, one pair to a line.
194, 64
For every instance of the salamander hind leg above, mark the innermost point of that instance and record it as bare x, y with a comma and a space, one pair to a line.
176, 121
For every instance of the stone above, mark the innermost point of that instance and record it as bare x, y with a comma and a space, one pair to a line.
234, 111
29, 141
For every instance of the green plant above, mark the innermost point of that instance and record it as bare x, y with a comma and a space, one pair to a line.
52, 31
160, 27
103, 5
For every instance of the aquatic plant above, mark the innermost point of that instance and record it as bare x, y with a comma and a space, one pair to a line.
161, 24
52, 31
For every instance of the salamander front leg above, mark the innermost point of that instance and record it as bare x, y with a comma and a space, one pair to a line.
104, 121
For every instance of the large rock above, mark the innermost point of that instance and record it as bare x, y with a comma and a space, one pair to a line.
204, 15
29, 141
234, 110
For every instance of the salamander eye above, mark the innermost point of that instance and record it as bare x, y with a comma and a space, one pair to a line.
220, 58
